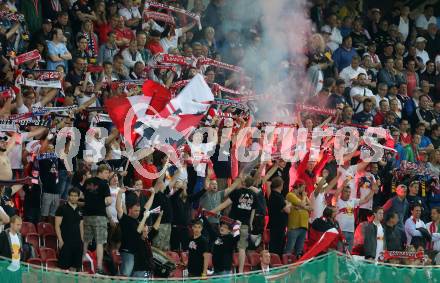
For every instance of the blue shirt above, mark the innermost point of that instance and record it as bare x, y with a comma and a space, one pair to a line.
58, 49
342, 57
424, 142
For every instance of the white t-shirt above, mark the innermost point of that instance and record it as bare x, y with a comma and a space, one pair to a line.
129, 14
199, 152
2, 226
335, 38
366, 191
24, 109
16, 153
380, 237
362, 91
422, 22
345, 173
345, 216
404, 28
318, 205
111, 209
378, 99
423, 54
15, 248
167, 43
33, 147
348, 73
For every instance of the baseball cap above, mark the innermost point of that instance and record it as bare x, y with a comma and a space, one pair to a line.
375, 10
420, 39
47, 21
326, 29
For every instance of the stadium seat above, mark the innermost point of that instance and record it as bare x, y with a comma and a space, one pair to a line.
47, 253
35, 261
235, 263
254, 259
116, 256
288, 259
50, 241
184, 257
177, 273
44, 228
51, 263
275, 259
87, 266
34, 240
27, 227
174, 257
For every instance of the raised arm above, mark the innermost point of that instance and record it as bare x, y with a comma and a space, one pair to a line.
141, 224
119, 208
149, 203
222, 206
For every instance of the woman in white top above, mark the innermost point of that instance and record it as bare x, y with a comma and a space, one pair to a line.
111, 209
172, 35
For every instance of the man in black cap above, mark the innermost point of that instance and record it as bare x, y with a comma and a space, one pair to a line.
43, 34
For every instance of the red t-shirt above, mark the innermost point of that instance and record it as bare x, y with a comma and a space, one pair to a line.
155, 47
124, 33
411, 83
147, 183
102, 31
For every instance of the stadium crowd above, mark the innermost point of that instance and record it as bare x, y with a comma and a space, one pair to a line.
370, 67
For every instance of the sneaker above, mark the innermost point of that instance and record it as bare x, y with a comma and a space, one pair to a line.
101, 272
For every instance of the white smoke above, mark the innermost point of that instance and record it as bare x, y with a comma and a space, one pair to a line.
276, 64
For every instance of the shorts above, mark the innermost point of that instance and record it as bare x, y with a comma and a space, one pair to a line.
95, 227
162, 240
49, 204
71, 256
244, 235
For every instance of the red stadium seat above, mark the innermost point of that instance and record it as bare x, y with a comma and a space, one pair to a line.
44, 228
35, 261
184, 257
288, 259
47, 253
34, 240
50, 241
87, 266
235, 263
254, 259
275, 259
117, 259
177, 273
51, 263
174, 257
27, 227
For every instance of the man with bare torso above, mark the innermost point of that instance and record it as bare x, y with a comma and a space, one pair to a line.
6, 144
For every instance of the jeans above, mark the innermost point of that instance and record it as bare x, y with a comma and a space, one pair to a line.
295, 241
63, 183
127, 263
349, 237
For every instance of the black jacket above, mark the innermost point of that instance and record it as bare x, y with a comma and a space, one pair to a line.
370, 240
5, 244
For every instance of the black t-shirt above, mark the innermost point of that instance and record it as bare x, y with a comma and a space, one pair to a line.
70, 231
243, 201
95, 191
129, 235
143, 259
275, 204
3, 45
49, 175
222, 252
196, 249
162, 200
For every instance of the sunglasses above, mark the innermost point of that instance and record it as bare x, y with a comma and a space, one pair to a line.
4, 138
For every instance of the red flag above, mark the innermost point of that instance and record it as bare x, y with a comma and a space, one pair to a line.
324, 242
136, 107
